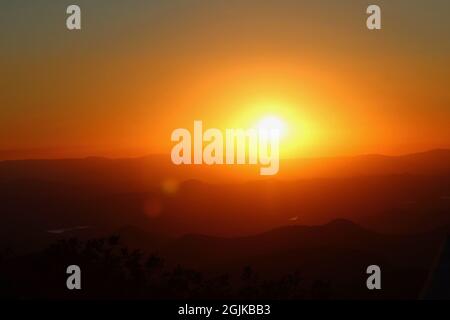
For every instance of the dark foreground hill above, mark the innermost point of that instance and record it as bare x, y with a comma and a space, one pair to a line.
294, 262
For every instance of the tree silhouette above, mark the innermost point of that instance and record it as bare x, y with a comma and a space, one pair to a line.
110, 270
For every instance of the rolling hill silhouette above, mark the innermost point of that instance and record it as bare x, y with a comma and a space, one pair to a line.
338, 252
139, 174
42, 195
323, 219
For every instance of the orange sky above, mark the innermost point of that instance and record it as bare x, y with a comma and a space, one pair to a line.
135, 72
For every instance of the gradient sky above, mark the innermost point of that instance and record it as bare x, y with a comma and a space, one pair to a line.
139, 69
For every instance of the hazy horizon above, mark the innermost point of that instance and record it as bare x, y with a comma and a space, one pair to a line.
138, 70
46, 154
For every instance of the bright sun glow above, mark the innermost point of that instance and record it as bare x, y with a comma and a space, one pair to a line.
294, 128
272, 122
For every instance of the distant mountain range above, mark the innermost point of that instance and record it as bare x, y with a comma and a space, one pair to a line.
407, 194
134, 174
326, 219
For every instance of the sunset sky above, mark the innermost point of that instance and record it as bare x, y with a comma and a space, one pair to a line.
139, 69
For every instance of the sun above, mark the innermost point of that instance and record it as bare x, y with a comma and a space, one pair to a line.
293, 127
273, 123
